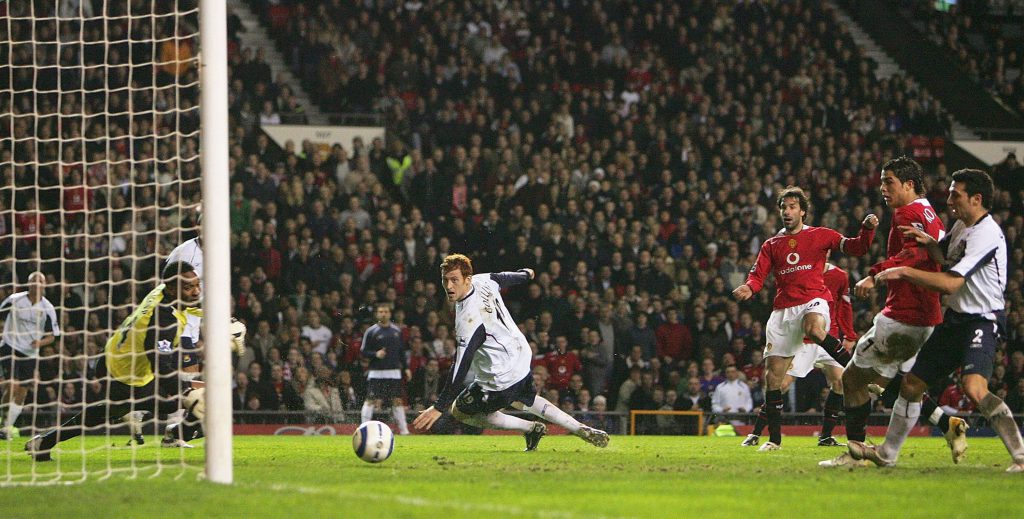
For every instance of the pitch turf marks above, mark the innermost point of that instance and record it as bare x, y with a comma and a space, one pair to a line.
420, 502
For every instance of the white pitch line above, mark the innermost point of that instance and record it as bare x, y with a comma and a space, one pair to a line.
420, 501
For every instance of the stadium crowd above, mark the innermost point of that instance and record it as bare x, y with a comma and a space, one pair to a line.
628, 153
986, 38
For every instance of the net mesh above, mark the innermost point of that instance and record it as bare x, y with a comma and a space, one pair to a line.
99, 120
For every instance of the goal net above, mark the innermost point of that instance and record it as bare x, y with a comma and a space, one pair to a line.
100, 128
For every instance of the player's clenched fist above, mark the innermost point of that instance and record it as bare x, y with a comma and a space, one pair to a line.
870, 221
864, 287
742, 292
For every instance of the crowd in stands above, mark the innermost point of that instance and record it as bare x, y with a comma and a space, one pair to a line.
985, 37
629, 153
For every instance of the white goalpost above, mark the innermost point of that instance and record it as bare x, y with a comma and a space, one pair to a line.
216, 238
113, 137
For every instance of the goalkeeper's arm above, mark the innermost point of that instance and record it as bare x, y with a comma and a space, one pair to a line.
237, 330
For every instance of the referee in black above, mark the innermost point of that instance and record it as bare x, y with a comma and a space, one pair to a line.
382, 344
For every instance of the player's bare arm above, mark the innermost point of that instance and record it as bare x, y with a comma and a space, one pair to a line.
942, 282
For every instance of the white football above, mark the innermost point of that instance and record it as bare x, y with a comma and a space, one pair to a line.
373, 441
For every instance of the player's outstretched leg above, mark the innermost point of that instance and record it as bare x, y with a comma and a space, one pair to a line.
40, 445
550, 412
532, 431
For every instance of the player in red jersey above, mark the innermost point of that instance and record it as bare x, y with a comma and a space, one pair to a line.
837, 281
796, 257
910, 312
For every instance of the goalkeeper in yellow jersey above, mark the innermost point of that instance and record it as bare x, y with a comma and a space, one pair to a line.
135, 369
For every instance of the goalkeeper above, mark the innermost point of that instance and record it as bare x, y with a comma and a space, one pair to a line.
131, 367
185, 361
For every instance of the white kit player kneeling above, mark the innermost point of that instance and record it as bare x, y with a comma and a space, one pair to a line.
491, 345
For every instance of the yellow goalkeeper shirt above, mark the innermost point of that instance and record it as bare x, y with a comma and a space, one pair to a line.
152, 328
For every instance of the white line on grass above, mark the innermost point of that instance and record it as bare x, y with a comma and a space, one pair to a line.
420, 501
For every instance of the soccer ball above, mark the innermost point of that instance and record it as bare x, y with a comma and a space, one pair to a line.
373, 441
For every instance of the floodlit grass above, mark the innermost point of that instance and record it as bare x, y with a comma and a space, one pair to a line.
489, 476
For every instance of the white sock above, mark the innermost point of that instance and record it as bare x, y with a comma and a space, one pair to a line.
173, 418
498, 420
135, 421
367, 412
1001, 419
550, 412
904, 418
399, 413
12, 414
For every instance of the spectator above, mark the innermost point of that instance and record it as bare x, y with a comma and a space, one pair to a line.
426, 386
322, 400
732, 395
709, 376
597, 362
598, 416
282, 395
644, 336
562, 364
674, 342
318, 334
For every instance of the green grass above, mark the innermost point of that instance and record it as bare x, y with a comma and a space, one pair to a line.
488, 476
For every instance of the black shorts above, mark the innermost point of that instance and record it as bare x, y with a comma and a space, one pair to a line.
159, 397
15, 365
963, 341
386, 389
474, 400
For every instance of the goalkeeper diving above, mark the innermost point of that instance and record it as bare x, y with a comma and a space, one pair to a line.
148, 365
190, 252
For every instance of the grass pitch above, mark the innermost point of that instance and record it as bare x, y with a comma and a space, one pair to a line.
489, 476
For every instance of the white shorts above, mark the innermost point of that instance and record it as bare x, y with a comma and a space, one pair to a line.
785, 328
873, 348
809, 357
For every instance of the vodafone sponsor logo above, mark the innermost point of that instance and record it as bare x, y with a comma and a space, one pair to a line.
792, 258
791, 270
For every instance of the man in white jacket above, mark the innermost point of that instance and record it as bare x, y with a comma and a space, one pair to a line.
732, 396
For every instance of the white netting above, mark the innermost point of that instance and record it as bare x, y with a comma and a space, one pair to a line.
99, 120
